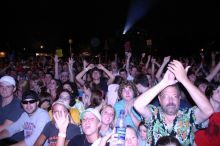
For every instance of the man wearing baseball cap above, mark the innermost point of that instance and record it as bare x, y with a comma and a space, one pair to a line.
32, 121
91, 122
10, 109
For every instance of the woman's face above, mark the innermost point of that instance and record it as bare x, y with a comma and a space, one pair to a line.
58, 108
67, 87
107, 115
52, 85
143, 132
127, 93
65, 97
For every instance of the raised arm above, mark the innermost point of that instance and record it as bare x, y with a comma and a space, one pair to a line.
144, 99
148, 61
213, 72
62, 122
160, 70
128, 62
204, 109
70, 67
56, 62
82, 73
110, 75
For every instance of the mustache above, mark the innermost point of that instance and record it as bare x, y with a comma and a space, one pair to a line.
170, 104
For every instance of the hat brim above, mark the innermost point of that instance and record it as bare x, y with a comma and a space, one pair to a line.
6, 83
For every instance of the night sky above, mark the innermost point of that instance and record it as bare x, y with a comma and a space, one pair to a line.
171, 22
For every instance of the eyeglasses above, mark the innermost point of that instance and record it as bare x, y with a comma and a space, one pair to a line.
30, 101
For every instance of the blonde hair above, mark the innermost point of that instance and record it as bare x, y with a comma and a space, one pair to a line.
110, 106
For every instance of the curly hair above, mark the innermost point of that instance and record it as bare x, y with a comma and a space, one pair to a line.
127, 84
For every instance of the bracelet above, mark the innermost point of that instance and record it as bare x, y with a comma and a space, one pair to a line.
62, 135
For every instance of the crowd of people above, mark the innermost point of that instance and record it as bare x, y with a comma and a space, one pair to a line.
74, 101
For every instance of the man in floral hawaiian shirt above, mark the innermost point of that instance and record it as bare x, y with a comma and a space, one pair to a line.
168, 119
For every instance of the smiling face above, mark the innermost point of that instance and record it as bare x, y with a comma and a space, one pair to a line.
107, 115
6, 91
169, 100
52, 85
30, 106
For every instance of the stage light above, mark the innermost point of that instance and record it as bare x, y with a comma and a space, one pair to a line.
137, 10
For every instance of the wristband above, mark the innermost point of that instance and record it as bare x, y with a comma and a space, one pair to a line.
86, 69
62, 135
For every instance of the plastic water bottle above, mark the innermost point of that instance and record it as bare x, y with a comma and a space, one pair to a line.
121, 128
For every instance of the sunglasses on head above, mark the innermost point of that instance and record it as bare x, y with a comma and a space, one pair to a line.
30, 101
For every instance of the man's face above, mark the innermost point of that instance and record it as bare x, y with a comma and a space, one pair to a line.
169, 100
131, 137
30, 106
6, 91
134, 72
123, 74
90, 124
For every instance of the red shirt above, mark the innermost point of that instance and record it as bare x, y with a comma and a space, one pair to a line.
211, 135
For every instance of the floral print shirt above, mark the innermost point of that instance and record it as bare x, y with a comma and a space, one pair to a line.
183, 127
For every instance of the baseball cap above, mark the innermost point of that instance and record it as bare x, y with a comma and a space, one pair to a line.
7, 80
93, 111
61, 102
30, 94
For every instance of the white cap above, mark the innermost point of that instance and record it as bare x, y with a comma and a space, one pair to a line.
8, 81
93, 111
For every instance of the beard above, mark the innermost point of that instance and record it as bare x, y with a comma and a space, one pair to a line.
170, 109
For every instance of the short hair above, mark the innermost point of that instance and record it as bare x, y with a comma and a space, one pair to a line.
200, 81
141, 79
122, 70
130, 127
118, 79
210, 88
167, 140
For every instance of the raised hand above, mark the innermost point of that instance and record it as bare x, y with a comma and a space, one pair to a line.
169, 78
166, 59
90, 66
100, 66
61, 120
70, 62
178, 70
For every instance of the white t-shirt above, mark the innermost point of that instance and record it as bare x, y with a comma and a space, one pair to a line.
31, 125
